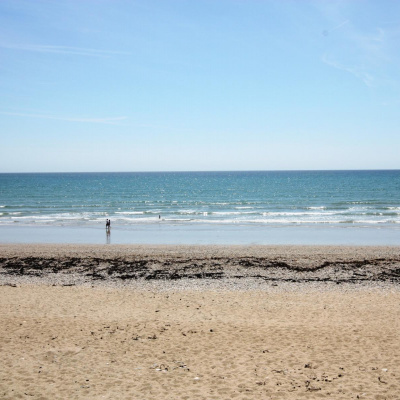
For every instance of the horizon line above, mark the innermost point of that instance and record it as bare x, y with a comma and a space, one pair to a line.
201, 171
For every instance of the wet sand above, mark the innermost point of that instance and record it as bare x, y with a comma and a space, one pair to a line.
203, 322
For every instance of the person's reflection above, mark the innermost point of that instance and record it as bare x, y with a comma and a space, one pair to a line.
108, 236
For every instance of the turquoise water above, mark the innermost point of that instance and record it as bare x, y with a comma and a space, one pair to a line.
263, 199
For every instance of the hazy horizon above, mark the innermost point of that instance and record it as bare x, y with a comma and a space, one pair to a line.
201, 171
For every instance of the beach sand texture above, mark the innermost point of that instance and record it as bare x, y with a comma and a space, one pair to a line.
225, 338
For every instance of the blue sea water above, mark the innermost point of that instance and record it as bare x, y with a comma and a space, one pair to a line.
203, 201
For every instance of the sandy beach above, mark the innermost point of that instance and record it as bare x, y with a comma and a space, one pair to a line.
199, 322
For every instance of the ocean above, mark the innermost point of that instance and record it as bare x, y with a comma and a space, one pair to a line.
182, 202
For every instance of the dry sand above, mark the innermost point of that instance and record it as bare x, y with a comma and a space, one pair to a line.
199, 322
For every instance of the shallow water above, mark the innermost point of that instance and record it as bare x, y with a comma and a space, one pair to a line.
202, 234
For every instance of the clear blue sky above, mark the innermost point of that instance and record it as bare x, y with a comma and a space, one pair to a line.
108, 85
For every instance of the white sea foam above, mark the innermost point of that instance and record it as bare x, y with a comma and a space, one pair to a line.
33, 217
135, 220
296, 213
231, 212
380, 221
189, 212
60, 216
130, 212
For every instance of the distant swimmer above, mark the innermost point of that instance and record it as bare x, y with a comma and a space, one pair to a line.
159, 217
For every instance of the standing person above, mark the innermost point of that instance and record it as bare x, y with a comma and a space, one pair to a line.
108, 223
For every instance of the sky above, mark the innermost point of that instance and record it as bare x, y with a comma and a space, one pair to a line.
199, 85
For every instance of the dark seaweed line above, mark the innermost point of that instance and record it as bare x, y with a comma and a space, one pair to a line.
41, 263
95, 268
